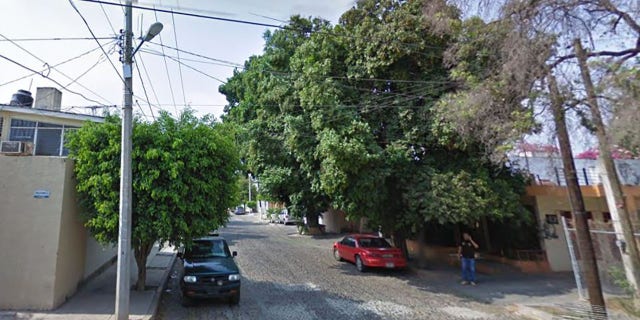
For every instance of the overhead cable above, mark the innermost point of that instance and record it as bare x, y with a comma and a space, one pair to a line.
53, 80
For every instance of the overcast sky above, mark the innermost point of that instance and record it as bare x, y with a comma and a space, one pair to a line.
98, 80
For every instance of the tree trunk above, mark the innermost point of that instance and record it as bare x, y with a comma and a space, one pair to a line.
615, 200
141, 251
313, 224
400, 241
486, 234
585, 245
422, 257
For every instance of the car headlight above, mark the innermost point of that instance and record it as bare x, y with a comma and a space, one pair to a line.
234, 277
190, 279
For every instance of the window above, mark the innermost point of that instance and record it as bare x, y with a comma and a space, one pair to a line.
48, 138
374, 243
349, 242
22, 130
569, 218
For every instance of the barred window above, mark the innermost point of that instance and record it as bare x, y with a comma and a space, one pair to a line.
48, 138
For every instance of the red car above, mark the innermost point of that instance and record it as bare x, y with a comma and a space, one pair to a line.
368, 251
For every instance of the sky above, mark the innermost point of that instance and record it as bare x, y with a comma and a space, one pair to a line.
91, 79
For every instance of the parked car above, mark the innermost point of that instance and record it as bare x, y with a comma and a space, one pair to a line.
285, 218
239, 210
209, 271
368, 251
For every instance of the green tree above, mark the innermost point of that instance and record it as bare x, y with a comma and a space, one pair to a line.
347, 114
183, 180
263, 102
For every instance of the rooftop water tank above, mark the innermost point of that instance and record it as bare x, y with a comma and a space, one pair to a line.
22, 98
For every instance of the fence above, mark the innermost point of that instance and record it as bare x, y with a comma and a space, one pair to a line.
609, 260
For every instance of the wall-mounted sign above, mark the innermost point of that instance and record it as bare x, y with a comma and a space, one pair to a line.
41, 194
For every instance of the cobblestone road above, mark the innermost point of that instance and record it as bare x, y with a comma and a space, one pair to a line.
287, 276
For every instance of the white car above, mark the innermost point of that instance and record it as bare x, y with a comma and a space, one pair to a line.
285, 218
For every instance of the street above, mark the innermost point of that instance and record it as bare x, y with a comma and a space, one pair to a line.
289, 276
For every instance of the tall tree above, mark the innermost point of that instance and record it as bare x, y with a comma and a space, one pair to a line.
559, 22
183, 180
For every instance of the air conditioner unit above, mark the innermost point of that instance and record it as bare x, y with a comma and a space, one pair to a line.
11, 147
16, 148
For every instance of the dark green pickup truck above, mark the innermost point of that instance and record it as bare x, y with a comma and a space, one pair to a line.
209, 271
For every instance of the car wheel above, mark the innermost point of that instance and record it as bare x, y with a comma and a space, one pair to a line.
336, 255
359, 265
235, 299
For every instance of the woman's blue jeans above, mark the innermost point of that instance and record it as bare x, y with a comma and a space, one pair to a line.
469, 269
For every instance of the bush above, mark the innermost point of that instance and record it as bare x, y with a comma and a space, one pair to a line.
272, 213
252, 205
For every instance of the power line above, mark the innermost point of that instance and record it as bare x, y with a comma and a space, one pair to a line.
94, 37
108, 19
62, 73
306, 31
175, 37
200, 55
54, 81
48, 67
188, 66
144, 67
192, 14
145, 92
56, 39
166, 66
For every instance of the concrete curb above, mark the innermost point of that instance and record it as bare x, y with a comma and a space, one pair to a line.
155, 301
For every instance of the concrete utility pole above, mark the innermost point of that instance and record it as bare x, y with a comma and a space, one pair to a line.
249, 176
615, 199
124, 236
585, 245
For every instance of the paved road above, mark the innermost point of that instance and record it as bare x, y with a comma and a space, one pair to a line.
287, 276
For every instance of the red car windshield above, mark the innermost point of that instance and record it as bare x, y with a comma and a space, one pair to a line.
373, 243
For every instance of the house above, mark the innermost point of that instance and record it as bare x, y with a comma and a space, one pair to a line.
548, 195
45, 251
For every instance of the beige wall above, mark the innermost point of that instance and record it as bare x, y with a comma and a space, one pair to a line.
71, 244
39, 261
556, 249
97, 255
553, 199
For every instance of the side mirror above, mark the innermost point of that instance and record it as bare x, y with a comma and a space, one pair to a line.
235, 253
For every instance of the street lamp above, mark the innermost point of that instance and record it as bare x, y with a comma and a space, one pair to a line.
153, 31
124, 223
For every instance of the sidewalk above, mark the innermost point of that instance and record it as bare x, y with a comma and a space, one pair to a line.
95, 300
532, 296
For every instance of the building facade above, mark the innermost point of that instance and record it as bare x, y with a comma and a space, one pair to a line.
45, 251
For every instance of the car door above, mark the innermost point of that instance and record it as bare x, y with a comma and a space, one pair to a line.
350, 248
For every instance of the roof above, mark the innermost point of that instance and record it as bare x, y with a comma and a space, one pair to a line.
51, 113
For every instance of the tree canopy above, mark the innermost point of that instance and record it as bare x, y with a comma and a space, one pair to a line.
345, 117
184, 179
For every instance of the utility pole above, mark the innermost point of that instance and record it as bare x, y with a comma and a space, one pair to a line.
249, 176
615, 199
585, 245
124, 236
